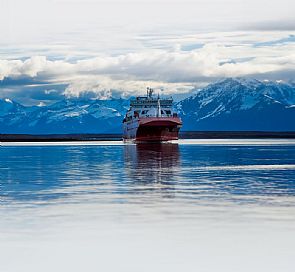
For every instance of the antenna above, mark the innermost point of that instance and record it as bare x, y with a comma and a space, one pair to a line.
150, 92
161, 91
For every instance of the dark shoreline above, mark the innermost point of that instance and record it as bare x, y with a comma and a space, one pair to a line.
118, 137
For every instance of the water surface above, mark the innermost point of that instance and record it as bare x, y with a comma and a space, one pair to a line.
193, 205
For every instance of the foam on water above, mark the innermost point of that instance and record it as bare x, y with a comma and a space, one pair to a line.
256, 167
246, 142
63, 143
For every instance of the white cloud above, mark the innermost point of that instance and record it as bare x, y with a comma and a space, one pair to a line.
177, 70
99, 45
105, 86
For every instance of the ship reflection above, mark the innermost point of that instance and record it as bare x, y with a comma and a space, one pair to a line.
152, 162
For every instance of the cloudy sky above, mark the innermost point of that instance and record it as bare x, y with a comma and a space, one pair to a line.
55, 48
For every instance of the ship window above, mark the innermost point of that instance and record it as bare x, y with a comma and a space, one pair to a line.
168, 112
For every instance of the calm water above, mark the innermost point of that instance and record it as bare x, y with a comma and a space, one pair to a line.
196, 205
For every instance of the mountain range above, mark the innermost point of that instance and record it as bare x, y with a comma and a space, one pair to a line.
234, 104
240, 105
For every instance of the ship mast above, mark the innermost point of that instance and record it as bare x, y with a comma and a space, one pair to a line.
159, 114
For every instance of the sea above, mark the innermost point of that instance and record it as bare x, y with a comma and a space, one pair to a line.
190, 205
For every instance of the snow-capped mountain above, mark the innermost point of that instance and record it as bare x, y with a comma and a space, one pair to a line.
240, 104
228, 105
66, 116
9, 107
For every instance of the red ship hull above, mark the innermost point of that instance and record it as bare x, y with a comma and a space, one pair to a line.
155, 129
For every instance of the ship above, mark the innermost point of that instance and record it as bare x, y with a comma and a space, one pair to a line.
151, 119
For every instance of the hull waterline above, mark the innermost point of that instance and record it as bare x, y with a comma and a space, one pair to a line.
154, 130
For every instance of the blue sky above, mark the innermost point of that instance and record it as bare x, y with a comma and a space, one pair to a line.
55, 48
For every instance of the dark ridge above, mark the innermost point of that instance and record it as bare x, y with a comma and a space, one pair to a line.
236, 134
59, 137
118, 137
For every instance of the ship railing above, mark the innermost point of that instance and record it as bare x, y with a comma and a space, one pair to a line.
162, 116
